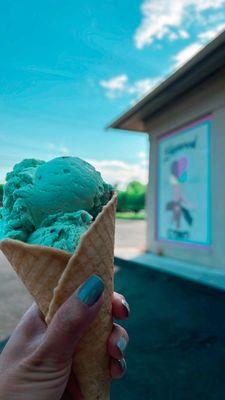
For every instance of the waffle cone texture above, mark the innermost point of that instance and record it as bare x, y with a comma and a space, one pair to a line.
52, 275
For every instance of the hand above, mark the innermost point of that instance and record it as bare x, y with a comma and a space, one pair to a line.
36, 362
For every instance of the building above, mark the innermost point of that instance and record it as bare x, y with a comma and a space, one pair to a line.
185, 120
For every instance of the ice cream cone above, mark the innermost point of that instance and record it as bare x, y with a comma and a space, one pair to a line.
52, 275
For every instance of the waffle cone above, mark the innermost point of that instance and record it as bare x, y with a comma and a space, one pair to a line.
52, 275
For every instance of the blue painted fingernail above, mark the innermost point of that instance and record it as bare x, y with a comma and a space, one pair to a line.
126, 305
121, 344
91, 290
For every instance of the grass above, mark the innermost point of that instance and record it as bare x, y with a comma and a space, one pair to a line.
131, 215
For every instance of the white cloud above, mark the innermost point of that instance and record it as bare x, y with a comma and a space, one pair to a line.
210, 34
180, 34
203, 5
144, 162
64, 150
142, 154
184, 34
143, 86
171, 18
202, 39
120, 172
187, 53
116, 87
116, 83
143, 159
172, 36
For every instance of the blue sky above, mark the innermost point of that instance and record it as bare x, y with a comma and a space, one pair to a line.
69, 68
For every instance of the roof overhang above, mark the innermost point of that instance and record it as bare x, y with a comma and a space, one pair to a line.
203, 65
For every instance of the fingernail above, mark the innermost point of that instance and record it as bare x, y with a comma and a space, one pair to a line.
121, 344
126, 305
91, 290
123, 364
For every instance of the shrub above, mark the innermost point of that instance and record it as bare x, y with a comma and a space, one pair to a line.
133, 198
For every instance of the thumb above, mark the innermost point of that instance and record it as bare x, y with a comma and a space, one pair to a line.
72, 320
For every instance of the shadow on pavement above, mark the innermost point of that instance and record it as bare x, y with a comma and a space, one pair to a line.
177, 338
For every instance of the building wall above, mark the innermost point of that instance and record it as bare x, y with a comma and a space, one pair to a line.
207, 98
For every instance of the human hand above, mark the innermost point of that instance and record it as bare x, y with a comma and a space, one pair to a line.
36, 362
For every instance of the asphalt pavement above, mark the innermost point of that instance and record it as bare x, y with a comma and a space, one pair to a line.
177, 338
130, 238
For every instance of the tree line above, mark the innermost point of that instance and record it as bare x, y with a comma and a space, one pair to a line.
132, 198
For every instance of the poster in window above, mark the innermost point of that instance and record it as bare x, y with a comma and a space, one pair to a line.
184, 208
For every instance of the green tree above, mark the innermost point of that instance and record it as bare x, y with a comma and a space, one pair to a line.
122, 201
136, 196
133, 198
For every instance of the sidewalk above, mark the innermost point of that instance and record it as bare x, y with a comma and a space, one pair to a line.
130, 238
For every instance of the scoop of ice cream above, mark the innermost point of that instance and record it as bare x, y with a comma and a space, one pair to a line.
37, 190
62, 231
65, 184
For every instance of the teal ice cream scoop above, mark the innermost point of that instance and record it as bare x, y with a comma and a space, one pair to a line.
62, 231
65, 184
42, 201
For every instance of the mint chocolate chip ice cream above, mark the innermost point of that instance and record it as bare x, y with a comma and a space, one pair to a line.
52, 203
